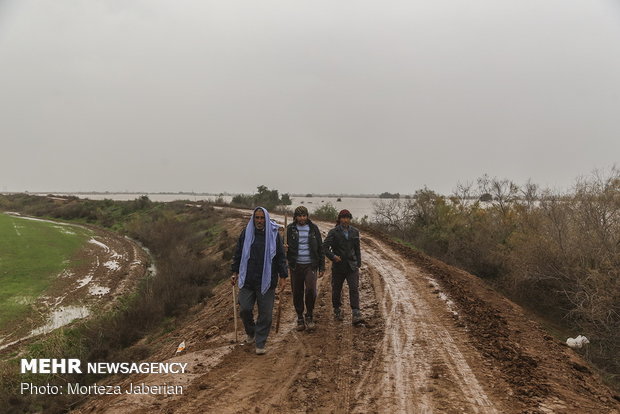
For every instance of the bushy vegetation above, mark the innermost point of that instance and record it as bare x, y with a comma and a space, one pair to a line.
106, 213
389, 195
263, 197
326, 212
176, 235
556, 253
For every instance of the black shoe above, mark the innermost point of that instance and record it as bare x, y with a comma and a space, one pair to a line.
338, 314
310, 323
300, 324
357, 317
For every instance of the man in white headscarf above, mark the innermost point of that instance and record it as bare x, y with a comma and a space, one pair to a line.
258, 261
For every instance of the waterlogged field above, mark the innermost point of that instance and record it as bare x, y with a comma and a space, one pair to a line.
32, 254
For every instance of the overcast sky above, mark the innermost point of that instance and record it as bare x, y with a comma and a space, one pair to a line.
305, 96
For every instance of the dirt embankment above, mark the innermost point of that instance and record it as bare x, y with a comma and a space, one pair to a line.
436, 339
108, 266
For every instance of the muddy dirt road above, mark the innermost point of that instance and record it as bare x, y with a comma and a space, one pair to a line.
436, 340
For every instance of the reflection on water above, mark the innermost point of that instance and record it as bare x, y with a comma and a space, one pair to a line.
61, 317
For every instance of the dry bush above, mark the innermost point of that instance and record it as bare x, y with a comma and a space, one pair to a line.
559, 254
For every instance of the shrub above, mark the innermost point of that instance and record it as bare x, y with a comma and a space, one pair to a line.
326, 212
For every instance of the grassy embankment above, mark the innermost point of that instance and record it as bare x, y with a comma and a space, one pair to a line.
32, 254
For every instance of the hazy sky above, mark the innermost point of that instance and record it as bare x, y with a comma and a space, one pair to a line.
305, 96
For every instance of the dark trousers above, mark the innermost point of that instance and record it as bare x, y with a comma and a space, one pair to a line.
260, 329
303, 282
353, 279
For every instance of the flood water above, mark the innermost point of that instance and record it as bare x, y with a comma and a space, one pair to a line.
358, 206
60, 317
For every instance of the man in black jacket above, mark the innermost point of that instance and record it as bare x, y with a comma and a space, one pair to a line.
258, 261
342, 247
305, 257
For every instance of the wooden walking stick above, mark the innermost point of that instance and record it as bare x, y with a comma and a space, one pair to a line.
235, 309
279, 311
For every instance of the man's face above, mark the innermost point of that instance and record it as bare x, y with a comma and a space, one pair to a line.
301, 220
345, 221
259, 219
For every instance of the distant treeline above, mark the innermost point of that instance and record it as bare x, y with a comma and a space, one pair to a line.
556, 253
177, 235
264, 197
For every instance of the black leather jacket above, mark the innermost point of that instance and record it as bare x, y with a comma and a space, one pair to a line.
316, 246
336, 244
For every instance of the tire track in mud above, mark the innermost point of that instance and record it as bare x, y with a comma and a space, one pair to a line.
424, 368
397, 352
343, 370
350, 353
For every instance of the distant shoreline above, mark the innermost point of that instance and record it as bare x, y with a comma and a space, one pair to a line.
81, 193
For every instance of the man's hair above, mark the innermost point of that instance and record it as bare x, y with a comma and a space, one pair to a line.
343, 213
300, 211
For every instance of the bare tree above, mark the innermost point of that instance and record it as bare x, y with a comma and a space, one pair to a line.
504, 192
463, 195
393, 215
530, 194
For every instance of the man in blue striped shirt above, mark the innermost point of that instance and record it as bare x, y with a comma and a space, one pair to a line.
305, 257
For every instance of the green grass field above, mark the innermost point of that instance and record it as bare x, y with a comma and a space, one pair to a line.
32, 254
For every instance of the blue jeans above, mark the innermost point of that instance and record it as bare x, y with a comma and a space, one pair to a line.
259, 329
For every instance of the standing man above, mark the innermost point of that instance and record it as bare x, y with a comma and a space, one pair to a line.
258, 260
342, 247
305, 257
